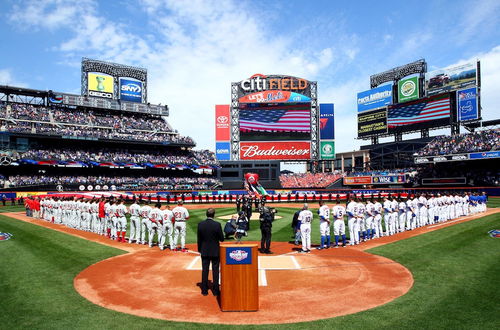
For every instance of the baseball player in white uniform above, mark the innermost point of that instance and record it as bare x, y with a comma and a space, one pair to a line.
166, 229
135, 223
360, 220
402, 216
377, 219
121, 221
352, 211
369, 219
305, 219
145, 210
181, 215
155, 218
338, 212
324, 225
387, 214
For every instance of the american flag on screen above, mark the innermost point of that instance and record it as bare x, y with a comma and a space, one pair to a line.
419, 111
275, 120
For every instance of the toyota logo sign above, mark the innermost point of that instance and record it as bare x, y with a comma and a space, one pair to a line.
222, 119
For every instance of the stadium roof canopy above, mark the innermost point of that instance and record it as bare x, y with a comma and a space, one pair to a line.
22, 91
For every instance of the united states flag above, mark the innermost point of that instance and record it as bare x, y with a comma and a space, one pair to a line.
419, 111
275, 120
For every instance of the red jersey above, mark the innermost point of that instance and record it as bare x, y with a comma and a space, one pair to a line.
102, 214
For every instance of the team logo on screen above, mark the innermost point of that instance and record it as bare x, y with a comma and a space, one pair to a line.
5, 236
238, 255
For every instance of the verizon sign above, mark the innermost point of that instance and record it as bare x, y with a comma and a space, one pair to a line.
289, 150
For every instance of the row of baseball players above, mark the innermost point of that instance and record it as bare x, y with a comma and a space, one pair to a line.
109, 217
367, 220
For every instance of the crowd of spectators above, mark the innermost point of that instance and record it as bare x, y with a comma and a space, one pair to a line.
115, 182
309, 180
485, 140
202, 157
73, 122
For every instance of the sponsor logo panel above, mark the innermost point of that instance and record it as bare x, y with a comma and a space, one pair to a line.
467, 106
292, 150
408, 89
327, 149
326, 121
223, 150
130, 90
355, 180
222, 123
100, 85
375, 98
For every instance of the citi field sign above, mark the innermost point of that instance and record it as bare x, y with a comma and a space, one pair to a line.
259, 82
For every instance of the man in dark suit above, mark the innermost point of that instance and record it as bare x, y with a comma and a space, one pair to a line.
209, 236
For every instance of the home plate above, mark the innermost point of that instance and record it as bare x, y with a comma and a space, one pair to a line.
265, 263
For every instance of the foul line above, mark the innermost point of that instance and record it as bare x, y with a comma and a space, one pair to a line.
263, 278
191, 264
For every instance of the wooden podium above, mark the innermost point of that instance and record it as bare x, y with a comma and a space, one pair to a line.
239, 277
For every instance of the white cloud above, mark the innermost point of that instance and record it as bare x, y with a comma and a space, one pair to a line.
193, 52
7, 78
477, 17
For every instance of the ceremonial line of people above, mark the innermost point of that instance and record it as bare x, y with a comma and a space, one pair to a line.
107, 217
364, 220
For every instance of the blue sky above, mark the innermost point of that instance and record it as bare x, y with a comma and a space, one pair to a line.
194, 49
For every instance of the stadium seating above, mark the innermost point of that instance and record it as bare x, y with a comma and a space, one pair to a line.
120, 182
309, 180
90, 124
485, 140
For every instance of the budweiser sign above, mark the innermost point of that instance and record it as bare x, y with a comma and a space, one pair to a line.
296, 150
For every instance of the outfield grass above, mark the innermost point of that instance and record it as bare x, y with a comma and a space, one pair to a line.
455, 270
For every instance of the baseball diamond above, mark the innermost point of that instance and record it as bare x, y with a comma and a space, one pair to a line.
220, 164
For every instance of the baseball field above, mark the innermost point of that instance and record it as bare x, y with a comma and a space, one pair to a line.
454, 268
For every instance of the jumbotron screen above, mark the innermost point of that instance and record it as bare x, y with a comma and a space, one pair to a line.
275, 121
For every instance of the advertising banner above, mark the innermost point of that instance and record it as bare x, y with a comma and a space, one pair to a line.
326, 121
222, 123
130, 90
274, 97
357, 180
485, 155
443, 181
451, 78
375, 98
327, 150
389, 179
289, 150
223, 150
419, 111
467, 105
441, 158
238, 255
100, 85
408, 89
372, 122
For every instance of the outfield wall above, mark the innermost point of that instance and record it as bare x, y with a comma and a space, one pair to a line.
282, 195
